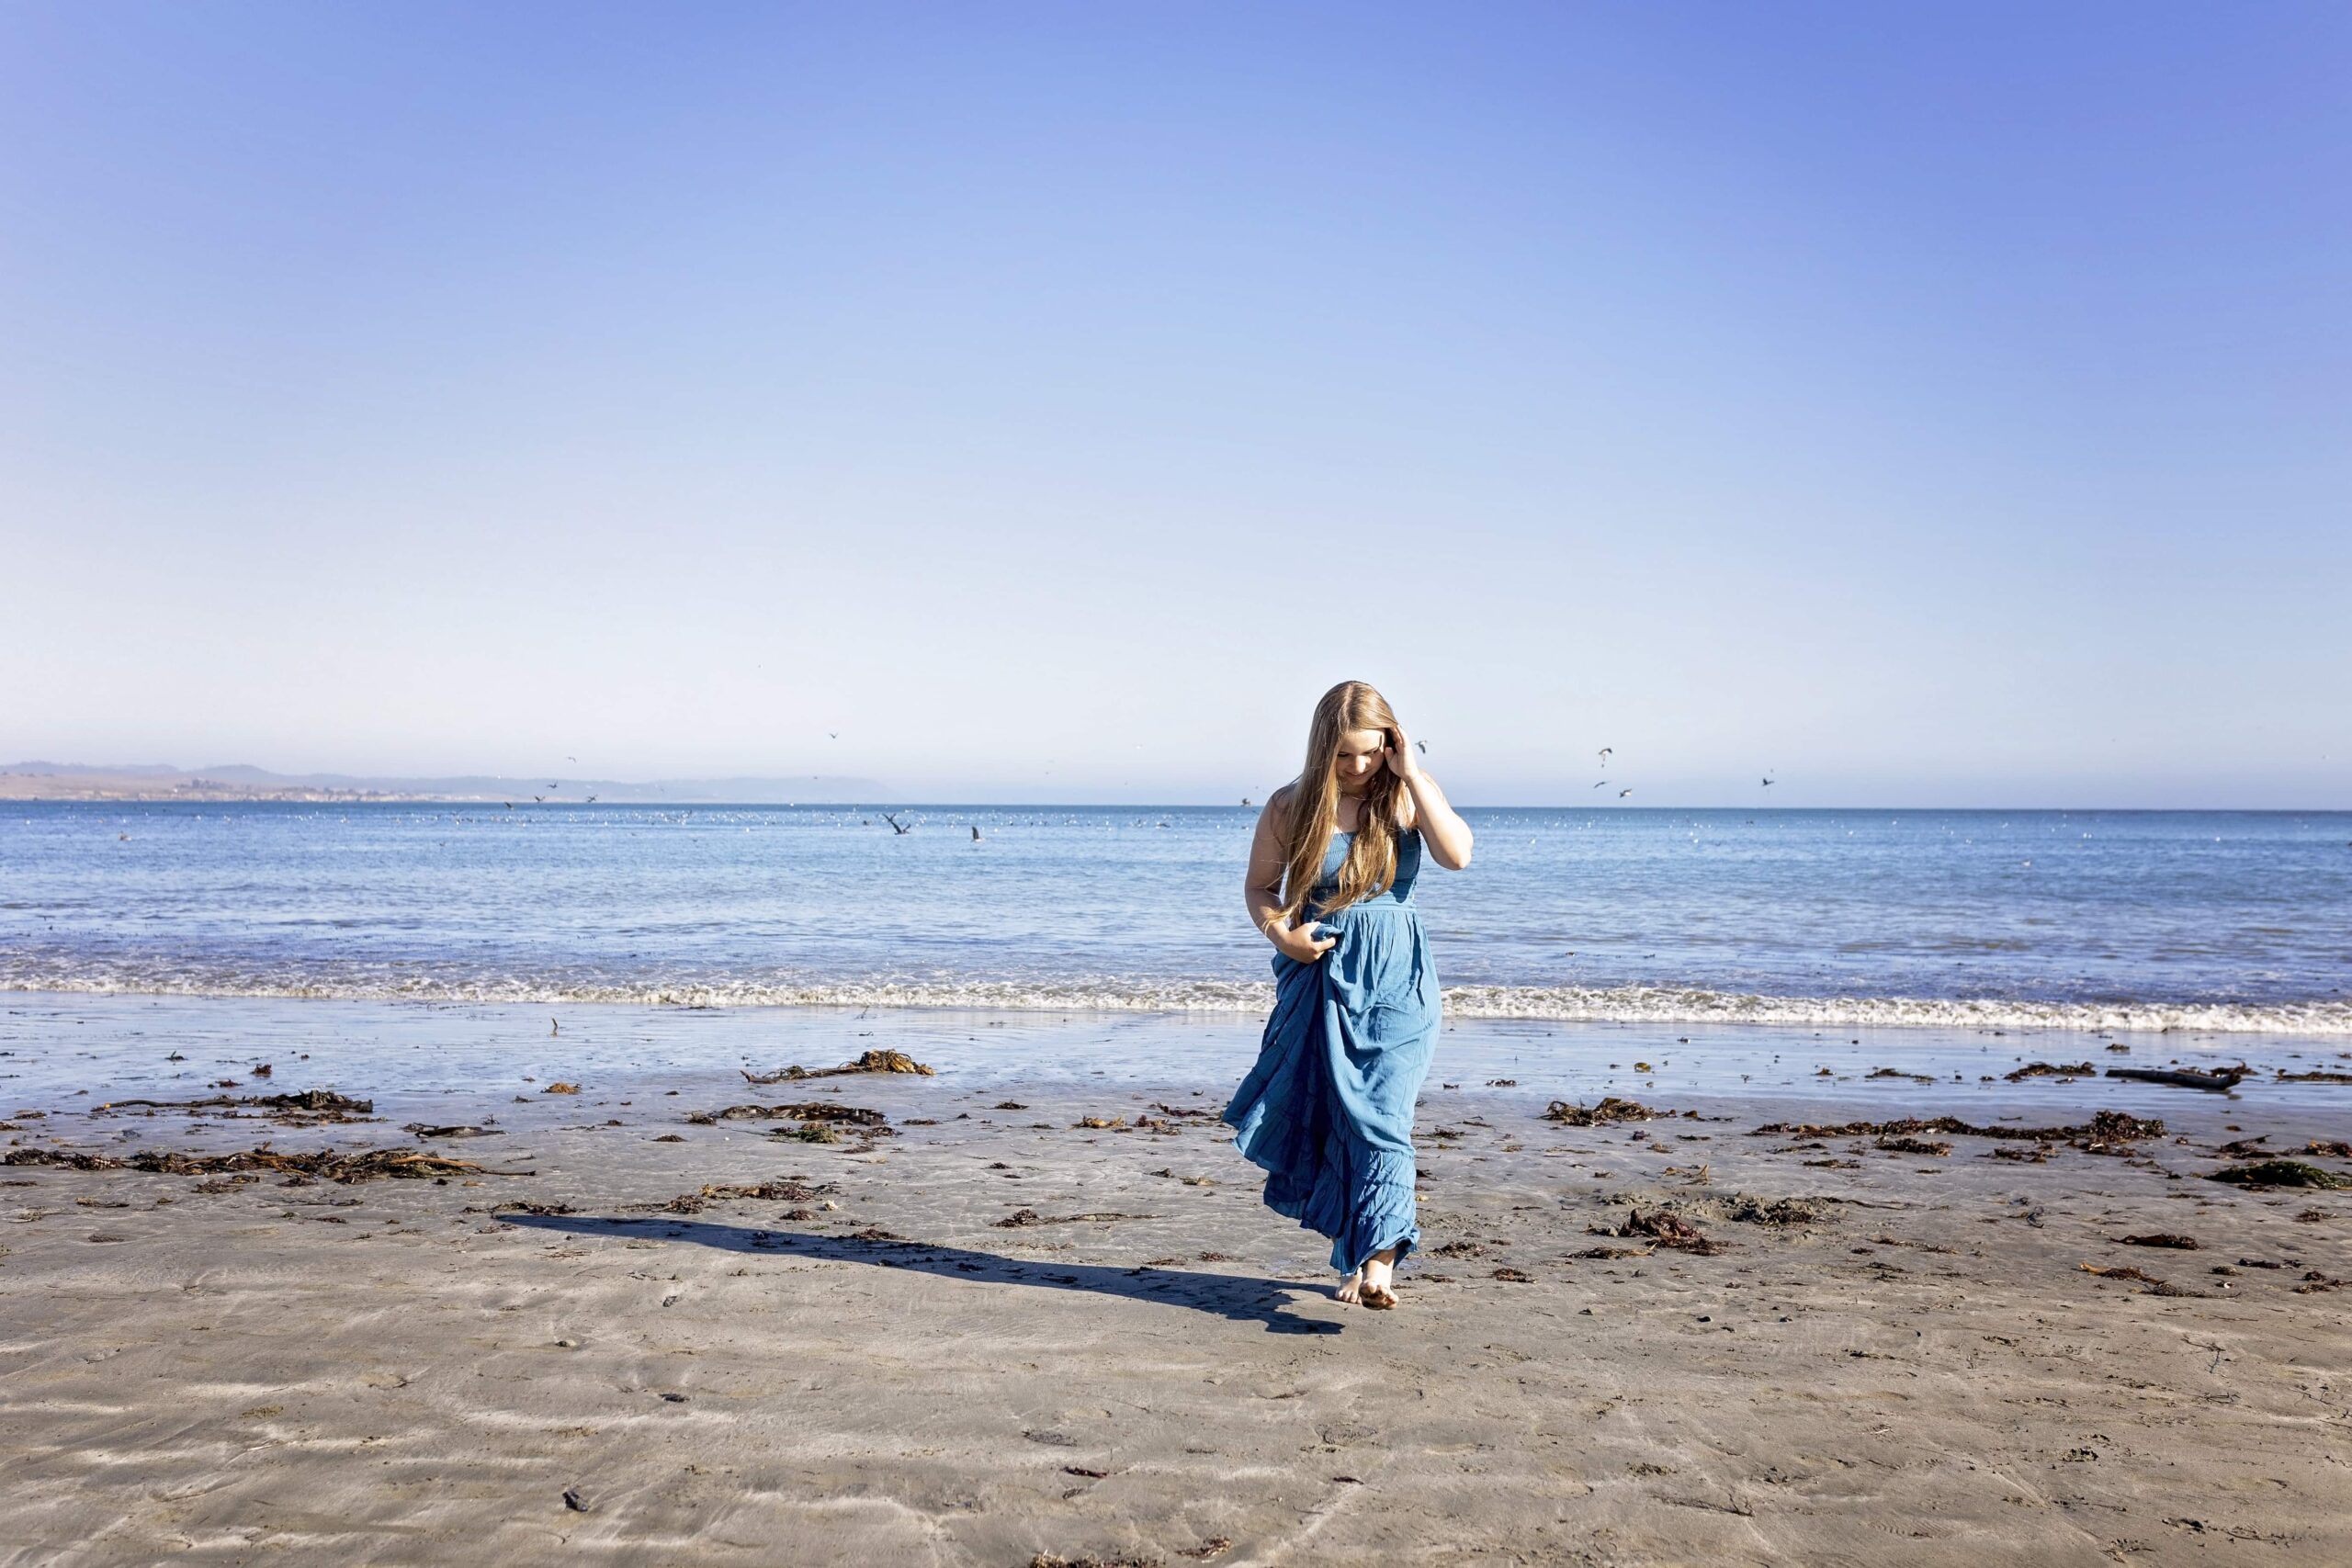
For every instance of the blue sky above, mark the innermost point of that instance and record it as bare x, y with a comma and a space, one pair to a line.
1930, 404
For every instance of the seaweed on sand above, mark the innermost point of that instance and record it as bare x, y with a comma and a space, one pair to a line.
804, 1111
2220, 1079
2125, 1272
786, 1191
358, 1164
1914, 1146
871, 1062
1745, 1209
2281, 1173
1021, 1219
1664, 1227
308, 1108
2106, 1129
1611, 1109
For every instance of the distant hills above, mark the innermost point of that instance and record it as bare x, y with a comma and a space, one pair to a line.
161, 781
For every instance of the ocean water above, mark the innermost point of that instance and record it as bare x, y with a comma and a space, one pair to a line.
2093, 920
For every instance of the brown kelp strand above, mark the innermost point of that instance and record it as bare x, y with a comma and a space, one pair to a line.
2105, 1126
1664, 1227
358, 1165
1611, 1109
310, 1107
2281, 1173
2220, 1079
804, 1111
871, 1062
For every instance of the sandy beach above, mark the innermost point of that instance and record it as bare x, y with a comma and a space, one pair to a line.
1056, 1326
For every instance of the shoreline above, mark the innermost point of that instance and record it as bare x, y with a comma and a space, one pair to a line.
1559, 1006
121, 1044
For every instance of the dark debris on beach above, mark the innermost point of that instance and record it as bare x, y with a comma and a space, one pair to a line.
870, 1061
2106, 1130
1611, 1109
2281, 1173
309, 1108
358, 1164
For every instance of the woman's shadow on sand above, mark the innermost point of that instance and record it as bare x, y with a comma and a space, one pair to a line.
1238, 1297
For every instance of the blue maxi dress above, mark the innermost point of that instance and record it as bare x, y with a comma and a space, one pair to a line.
1328, 1109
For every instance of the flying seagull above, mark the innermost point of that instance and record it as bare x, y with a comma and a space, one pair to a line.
1602, 784
1768, 783
1605, 752
1424, 746
1624, 793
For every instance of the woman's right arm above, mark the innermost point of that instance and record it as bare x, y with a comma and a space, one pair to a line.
1263, 883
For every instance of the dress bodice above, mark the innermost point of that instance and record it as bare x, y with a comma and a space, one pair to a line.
1408, 866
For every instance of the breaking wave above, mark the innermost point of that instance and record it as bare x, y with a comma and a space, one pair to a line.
1564, 1004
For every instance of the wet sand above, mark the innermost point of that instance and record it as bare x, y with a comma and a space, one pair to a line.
996, 1336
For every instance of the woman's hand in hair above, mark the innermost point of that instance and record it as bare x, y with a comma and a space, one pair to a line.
1398, 755
1295, 941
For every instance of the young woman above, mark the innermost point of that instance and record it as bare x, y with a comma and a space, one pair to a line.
1327, 1110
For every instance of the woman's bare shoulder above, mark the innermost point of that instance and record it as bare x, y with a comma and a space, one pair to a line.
1280, 804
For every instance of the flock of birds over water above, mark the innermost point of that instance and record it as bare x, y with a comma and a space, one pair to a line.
901, 829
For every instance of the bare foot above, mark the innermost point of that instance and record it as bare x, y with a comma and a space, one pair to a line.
1350, 1292
1379, 1280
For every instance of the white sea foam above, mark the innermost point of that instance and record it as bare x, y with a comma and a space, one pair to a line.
1564, 1004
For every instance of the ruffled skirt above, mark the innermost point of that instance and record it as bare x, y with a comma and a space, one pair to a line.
1328, 1109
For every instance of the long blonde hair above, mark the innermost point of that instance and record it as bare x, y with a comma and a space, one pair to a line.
1371, 865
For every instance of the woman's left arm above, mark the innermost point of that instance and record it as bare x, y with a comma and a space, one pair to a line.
1443, 829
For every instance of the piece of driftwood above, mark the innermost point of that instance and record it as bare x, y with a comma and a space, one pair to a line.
2220, 1079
